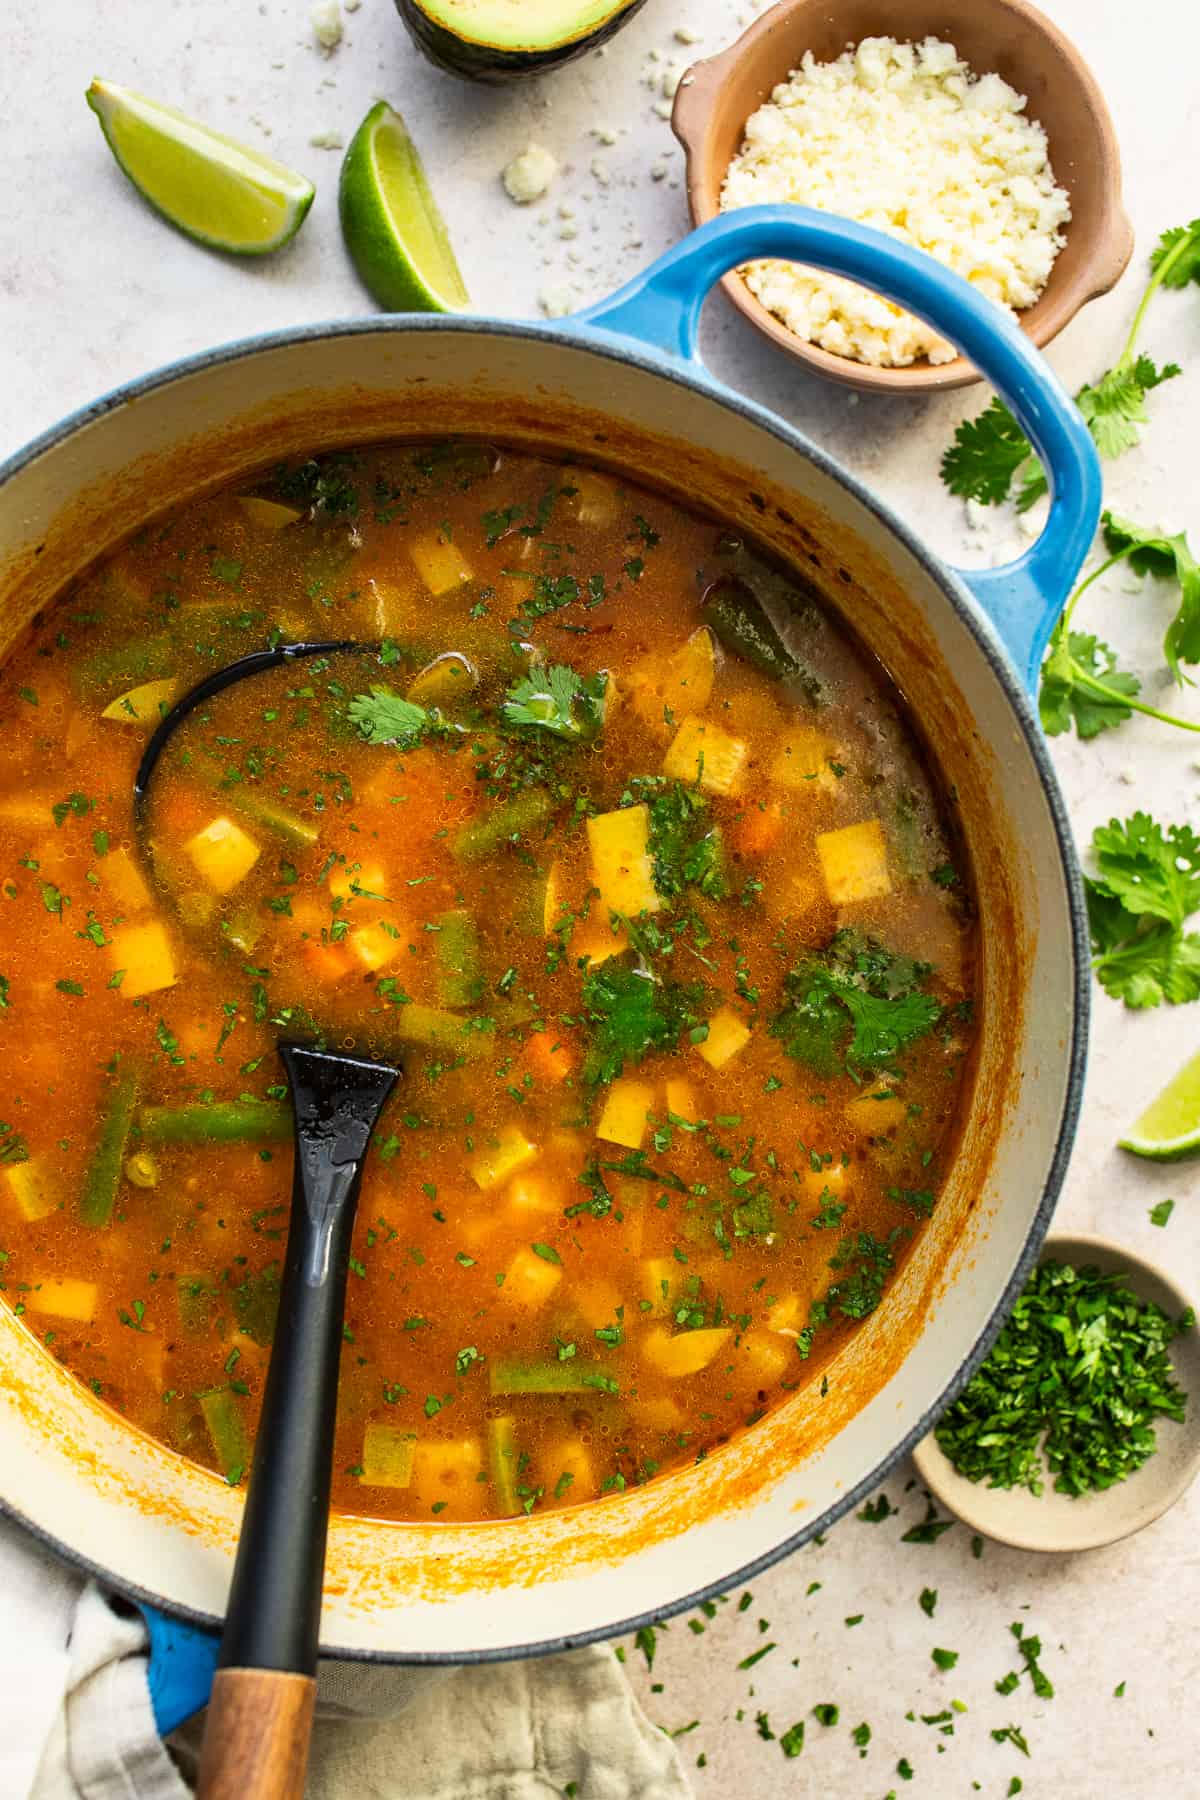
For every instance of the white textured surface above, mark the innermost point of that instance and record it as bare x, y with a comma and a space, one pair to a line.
94, 290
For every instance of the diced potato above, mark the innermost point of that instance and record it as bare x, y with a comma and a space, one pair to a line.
727, 1034
786, 1314
854, 862
533, 1193
702, 754
530, 1279
685, 1354
32, 1189
658, 1412
387, 1456
596, 940
596, 1302
145, 954
596, 500
682, 1102
144, 704
568, 1469
351, 881
664, 690
493, 1165
764, 1358
875, 1115
63, 1297
834, 1180
268, 515
31, 810
446, 1474
624, 1118
802, 761
123, 882
552, 899
374, 946
621, 864
223, 854
660, 1279
440, 564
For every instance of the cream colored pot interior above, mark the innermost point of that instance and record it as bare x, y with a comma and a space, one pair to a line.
159, 1525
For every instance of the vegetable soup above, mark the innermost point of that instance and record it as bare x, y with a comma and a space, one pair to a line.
609, 834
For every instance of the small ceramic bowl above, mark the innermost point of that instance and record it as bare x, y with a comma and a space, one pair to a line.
717, 96
1060, 1522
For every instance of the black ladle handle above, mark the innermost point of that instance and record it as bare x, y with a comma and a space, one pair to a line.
264, 1692
274, 1613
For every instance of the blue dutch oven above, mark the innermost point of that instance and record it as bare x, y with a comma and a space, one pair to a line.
621, 385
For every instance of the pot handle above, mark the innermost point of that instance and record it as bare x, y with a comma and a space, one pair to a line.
661, 307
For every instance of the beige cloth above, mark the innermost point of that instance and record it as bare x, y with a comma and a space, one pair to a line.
76, 1723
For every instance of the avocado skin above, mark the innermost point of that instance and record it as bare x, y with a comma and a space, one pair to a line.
489, 62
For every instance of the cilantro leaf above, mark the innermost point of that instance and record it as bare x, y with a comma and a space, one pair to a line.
1082, 686
1114, 407
986, 454
854, 983
685, 845
558, 699
630, 1013
386, 718
1146, 887
1177, 254
1150, 551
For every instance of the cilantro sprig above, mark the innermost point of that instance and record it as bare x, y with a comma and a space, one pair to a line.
1081, 684
384, 717
1081, 1372
991, 453
853, 1003
558, 699
1146, 887
630, 1012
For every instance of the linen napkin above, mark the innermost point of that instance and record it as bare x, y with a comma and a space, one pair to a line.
76, 1721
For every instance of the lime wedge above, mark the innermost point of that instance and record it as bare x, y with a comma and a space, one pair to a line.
216, 190
1170, 1126
390, 221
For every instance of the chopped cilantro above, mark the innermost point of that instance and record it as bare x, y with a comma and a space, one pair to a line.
853, 989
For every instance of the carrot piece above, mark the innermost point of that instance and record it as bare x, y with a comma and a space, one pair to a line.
759, 828
549, 1056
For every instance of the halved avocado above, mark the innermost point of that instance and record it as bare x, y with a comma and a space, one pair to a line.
498, 40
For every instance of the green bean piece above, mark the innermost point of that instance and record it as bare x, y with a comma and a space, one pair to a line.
261, 809
571, 1377
737, 617
460, 969
217, 1122
103, 1180
227, 1429
485, 836
434, 1029
502, 1461
142, 659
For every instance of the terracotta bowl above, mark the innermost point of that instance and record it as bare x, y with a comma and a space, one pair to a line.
717, 96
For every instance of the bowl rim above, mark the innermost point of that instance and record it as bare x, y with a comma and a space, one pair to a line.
944, 1483
1101, 268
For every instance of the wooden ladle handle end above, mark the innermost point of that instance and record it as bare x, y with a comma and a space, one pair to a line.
256, 1736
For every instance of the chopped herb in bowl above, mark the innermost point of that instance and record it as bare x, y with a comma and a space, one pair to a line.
1078, 1376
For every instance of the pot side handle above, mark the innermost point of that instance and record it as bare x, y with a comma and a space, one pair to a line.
661, 307
183, 1661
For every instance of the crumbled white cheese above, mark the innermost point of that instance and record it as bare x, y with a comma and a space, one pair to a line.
906, 138
327, 140
352, 5
604, 134
600, 172
683, 35
326, 17
555, 299
529, 175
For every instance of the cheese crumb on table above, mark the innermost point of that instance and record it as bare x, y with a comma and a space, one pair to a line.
528, 176
906, 138
326, 16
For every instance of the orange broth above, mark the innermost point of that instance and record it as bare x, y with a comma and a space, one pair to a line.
677, 952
